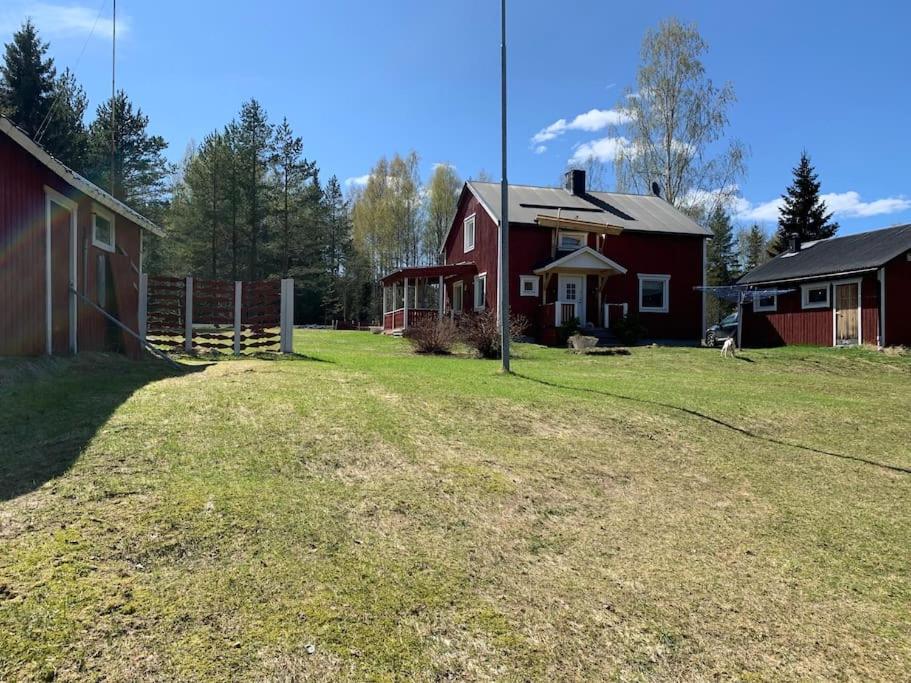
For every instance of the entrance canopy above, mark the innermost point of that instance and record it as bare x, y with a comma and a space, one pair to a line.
422, 272
584, 260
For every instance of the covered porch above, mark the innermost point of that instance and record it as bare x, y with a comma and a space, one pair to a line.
573, 288
418, 293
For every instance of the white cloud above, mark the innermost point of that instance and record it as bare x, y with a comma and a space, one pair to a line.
602, 149
445, 164
843, 204
590, 121
62, 20
357, 181
540, 149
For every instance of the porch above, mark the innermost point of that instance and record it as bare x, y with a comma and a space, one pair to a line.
418, 293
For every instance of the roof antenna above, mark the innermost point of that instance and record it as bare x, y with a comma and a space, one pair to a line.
656, 188
113, 95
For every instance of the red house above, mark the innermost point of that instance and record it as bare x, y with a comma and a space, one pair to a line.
60, 234
844, 291
593, 256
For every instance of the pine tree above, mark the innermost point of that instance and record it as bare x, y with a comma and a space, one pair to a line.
722, 261
64, 133
803, 212
255, 138
291, 172
753, 248
27, 83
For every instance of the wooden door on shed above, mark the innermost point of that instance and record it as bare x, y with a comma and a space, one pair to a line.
60, 278
847, 314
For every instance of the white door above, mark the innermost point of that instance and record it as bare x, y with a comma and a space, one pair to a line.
571, 288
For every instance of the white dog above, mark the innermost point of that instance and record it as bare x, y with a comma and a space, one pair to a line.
729, 348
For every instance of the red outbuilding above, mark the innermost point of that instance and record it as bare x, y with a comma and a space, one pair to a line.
592, 256
66, 247
840, 291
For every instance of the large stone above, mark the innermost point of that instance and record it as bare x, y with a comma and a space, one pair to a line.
580, 342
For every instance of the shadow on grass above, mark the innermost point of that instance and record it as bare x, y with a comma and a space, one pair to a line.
217, 357
721, 423
52, 408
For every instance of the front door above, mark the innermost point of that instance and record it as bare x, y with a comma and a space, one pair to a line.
571, 289
847, 314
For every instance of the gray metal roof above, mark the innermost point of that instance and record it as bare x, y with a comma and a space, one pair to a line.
851, 253
645, 213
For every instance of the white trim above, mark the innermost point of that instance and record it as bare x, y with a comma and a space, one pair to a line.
705, 267
860, 331
474, 233
584, 250
535, 280
582, 238
666, 280
98, 210
74, 179
805, 304
478, 278
759, 308
67, 204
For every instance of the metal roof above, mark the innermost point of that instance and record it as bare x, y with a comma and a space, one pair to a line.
836, 255
74, 179
645, 213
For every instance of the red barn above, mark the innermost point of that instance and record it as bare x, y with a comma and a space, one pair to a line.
59, 233
844, 291
592, 256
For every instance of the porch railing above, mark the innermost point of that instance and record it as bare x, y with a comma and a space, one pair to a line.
565, 311
393, 320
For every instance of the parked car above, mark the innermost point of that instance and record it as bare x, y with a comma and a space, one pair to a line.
718, 333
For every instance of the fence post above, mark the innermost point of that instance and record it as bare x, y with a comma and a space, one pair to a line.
188, 317
238, 306
287, 316
143, 316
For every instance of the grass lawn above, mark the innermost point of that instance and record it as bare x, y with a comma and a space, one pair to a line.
362, 513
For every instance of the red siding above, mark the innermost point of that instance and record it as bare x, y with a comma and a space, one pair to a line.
22, 261
790, 324
484, 254
898, 301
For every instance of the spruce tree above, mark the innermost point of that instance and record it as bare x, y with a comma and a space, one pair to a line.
26, 80
753, 248
803, 212
722, 261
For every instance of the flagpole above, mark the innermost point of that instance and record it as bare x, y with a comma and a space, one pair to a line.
503, 265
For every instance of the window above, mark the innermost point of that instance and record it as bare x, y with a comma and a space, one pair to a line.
815, 295
480, 292
528, 285
765, 303
653, 293
458, 290
468, 233
570, 241
102, 228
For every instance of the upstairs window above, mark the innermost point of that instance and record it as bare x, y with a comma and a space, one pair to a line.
570, 241
102, 228
653, 293
468, 233
814, 296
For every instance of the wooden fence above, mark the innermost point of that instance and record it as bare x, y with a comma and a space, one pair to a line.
192, 315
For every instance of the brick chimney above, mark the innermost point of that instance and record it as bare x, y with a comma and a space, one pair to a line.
795, 243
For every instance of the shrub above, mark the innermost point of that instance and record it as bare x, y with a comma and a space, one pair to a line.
481, 332
567, 329
629, 329
432, 336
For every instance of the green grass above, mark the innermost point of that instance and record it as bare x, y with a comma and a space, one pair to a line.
362, 513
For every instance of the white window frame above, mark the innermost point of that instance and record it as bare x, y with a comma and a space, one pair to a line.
759, 308
581, 236
659, 277
482, 304
108, 216
805, 303
466, 245
536, 285
460, 288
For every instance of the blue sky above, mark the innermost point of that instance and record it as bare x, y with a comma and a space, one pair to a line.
360, 79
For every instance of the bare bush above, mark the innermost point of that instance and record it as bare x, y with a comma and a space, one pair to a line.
432, 336
481, 332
